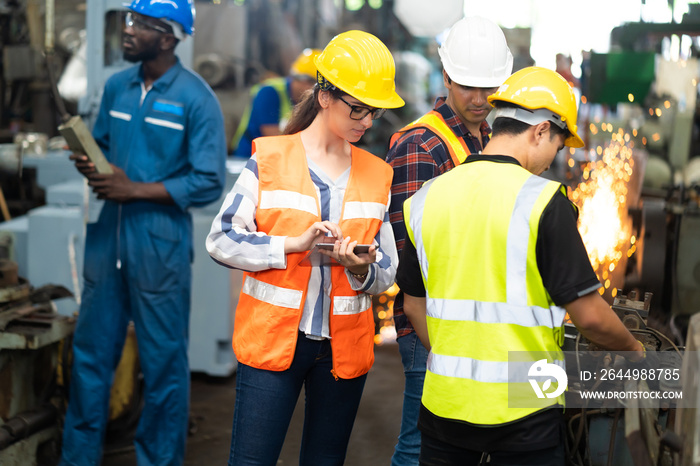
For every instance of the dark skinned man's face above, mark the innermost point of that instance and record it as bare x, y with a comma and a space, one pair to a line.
142, 39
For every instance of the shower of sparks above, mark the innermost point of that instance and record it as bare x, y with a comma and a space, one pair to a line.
602, 201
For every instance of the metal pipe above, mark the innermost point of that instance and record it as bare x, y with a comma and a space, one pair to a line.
50, 65
25, 424
49, 36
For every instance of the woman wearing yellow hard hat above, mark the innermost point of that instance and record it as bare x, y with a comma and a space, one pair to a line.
304, 316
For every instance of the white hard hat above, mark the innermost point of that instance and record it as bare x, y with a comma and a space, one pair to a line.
475, 53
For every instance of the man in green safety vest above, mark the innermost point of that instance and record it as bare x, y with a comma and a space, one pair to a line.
272, 101
475, 60
492, 264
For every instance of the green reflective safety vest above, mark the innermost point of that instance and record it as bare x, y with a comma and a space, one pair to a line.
278, 84
489, 315
436, 123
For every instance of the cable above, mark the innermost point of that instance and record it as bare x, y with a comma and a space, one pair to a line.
576, 438
579, 434
659, 334
588, 441
613, 436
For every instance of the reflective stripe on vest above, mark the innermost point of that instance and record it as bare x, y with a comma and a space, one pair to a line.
364, 210
517, 250
285, 109
481, 371
347, 305
285, 297
281, 199
495, 313
271, 294
271, 304
492, 309
434, 122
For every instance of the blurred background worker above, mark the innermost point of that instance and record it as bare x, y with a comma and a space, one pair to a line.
161, 128
272, 102
563, 63
476, 60
495, 260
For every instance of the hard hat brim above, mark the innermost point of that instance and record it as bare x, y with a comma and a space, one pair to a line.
391, 101
574, 141
359, 64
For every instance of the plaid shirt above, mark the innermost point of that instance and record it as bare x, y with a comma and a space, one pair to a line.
416, 157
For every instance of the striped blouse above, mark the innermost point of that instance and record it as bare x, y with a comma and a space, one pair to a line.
234, 235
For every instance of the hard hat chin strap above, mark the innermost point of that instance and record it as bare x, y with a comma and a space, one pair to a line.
177, 29
323, 83
531, 117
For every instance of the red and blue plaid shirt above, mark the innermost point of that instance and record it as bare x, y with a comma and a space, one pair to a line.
418, 156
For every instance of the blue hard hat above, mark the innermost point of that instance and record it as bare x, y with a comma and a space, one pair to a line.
179, 11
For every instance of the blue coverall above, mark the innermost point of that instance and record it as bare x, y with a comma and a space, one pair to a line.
138, 261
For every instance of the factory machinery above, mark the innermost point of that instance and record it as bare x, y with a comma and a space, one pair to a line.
628, 433
653, 284
32, 365
44, 248
637, 186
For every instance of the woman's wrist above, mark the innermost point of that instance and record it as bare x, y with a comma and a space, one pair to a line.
291, 244
359, 273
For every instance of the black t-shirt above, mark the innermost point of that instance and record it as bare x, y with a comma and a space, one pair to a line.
566, 274
537, 431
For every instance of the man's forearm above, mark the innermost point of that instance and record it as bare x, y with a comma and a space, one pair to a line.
154, 192
415, 310
596, 321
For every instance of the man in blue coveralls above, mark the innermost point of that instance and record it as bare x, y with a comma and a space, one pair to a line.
161, 128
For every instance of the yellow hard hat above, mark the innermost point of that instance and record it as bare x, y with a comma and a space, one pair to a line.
536, 88
359, 64
304, 63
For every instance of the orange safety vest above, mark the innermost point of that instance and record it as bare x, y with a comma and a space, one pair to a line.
271, 303
436, 123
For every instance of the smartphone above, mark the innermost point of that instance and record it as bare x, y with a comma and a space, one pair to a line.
359, 249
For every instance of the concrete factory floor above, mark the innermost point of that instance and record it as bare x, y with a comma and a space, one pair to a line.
373, 437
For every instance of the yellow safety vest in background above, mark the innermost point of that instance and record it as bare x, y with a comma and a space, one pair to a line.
280, 85
436, 123
484, 293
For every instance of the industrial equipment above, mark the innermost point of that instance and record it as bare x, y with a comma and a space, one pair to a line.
630, 435
235, 44
33, 343
47, 244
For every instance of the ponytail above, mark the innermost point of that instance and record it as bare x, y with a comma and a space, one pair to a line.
304, 112
308, 107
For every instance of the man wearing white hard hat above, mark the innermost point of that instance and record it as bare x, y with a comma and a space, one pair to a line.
476, 60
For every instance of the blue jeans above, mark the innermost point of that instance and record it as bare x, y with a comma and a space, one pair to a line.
437, 453
414, 357
265, 402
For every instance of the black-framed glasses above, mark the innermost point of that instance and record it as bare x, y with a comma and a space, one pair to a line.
358, 112
138, 24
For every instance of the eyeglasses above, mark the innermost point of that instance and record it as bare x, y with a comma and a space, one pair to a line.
138, 24
358, 112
